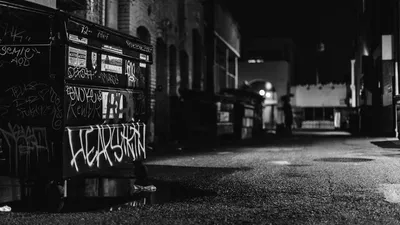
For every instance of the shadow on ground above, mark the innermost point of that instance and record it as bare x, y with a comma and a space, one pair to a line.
343, 160
392, 155
176, 173
387, 144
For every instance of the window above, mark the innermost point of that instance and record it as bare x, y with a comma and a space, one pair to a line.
255, 60
231, 65
319, 113
328, 114
231, 82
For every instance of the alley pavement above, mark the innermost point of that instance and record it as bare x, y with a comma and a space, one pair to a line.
307, 178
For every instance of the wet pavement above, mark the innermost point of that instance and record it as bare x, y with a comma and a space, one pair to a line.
309, 178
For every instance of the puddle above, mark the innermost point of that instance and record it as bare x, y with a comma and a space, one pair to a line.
173, 191
343, 159
166, 192
391, 192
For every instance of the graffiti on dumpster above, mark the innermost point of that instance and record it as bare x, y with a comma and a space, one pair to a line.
84, 102
116, 105
134, 73
83, 73
79, 72
94, 103
106, 145
109, 78
33, 100
13, 34
25, 144
20, 56
17, 55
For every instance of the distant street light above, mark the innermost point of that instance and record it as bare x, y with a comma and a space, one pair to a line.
268, 85
321, 47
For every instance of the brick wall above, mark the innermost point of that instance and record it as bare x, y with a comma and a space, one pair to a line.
111, 12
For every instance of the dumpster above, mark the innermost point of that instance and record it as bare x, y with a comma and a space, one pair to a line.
247, 113
72, 106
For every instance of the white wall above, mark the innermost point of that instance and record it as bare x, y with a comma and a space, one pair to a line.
328, 95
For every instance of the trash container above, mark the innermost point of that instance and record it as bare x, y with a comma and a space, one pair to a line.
73, 105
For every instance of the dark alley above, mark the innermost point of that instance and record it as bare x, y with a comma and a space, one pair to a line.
199, 112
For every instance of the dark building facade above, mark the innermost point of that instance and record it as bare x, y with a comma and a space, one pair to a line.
211, 112
375, 66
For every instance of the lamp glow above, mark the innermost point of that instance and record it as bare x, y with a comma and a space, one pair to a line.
268, 85
262, 92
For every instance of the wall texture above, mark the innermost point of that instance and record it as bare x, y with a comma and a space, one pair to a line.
328, 95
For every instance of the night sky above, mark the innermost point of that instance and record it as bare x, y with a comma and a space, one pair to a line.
307, 23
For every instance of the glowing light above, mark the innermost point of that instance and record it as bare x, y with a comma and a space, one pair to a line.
268, 85
262, 92
321, 47
255, 61
365, 49
268, 94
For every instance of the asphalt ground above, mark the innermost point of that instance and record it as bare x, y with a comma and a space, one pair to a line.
307, 178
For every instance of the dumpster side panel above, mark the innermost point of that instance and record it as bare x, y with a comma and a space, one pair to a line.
95, 105
30, 100
101, 150
104, 101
